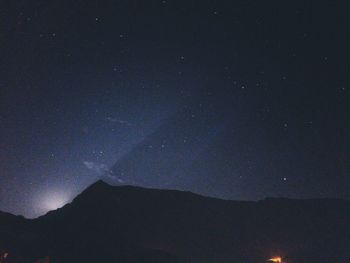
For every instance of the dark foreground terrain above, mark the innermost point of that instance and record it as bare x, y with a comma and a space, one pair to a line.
130, 224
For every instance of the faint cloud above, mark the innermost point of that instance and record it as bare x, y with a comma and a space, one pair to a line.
115, 120
100, 168
112, 176
103, 170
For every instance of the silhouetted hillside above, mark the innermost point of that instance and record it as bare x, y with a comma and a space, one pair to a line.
130, 224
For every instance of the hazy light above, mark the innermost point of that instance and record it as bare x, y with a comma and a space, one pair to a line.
55, 200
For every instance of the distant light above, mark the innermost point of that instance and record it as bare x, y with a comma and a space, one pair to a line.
275, 259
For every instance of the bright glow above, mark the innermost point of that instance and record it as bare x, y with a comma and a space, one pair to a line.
276, 259
54, 201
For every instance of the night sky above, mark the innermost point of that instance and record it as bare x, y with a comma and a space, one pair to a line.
233, 99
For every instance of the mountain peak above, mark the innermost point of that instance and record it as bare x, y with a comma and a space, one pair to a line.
98, 186
100, 182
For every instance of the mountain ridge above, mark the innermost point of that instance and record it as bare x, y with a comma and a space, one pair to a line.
101, 183
135, 224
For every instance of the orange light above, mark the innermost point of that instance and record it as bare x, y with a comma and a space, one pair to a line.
276, 260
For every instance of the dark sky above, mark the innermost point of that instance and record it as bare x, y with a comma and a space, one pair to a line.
235, 99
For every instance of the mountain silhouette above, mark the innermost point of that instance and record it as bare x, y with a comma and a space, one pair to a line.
131, 224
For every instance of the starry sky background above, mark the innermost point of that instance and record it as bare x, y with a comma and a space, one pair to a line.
233, 99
